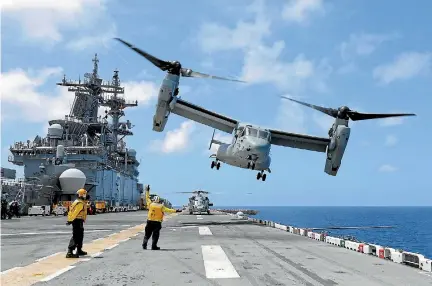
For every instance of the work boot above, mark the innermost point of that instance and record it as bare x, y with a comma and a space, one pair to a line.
81, 252
155, 248
70, 254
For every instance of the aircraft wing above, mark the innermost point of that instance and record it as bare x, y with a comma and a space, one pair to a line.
299, 141
204, 116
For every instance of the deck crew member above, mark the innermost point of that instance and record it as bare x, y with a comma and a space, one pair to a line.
77, 216
155, 215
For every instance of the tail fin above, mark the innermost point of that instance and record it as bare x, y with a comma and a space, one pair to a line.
213, 140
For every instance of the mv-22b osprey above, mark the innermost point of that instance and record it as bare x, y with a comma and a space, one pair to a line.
250, 146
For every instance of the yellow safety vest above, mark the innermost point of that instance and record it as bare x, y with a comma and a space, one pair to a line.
78, 210
156, 212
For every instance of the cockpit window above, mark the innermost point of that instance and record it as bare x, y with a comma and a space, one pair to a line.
252, 132
263, 134
240, 131
258, 133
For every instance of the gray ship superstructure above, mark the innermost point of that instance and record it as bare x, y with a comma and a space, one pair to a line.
84, 147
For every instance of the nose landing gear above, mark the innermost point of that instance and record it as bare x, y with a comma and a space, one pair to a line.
261, 176
251, 165
215, 164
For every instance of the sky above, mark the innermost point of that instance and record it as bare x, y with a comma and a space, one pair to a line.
373, 56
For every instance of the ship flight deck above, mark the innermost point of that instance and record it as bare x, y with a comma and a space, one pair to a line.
216, 249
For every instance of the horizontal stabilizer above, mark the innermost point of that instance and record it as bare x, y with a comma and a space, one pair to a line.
213, 141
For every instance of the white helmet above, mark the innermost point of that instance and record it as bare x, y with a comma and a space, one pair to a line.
156, 199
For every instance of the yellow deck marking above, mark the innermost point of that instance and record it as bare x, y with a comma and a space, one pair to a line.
39, 270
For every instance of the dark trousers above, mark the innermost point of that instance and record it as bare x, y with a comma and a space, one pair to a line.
77, 238
152, 228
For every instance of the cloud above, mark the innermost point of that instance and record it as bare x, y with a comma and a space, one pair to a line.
176, 140
24, 96
263, 62
46, 21
405, 66
391, 140
323, 121
363, 44
213, 37
387, 168
298, 11
291, 117
103, 39
143, 91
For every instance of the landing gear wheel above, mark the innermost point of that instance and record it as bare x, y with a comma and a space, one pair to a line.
258, 176
253, 166
249, 165
212, 164
264, 176
218, 166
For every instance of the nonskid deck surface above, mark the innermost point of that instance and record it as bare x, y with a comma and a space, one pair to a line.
26, 239
219, 250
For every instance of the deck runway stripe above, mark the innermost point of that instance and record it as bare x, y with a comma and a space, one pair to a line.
111, 247
97, 254
216, 263
204, 230
10, 270
58, 273
43, 258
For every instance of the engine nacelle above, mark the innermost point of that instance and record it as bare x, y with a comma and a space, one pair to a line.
336, 149
167, 95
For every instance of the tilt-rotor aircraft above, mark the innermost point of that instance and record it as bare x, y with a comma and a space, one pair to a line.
250, 145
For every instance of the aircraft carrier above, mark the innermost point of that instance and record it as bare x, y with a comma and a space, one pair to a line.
218, 249
83, 147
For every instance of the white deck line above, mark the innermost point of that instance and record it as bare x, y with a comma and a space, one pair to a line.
11, 269
111, 247
43, 258
216, 263
204, 230
58, 273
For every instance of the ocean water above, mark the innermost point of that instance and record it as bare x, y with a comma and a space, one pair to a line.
412, 225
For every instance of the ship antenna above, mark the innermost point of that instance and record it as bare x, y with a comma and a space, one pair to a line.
95, 66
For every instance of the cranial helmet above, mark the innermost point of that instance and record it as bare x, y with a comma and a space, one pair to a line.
156, 199
82, 193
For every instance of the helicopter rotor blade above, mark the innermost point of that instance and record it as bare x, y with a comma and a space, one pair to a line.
163, 65
329, 111
191, 73
355, 116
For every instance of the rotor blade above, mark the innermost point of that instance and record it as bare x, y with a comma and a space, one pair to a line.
354, 115
191, 73
163, 65
329, 111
